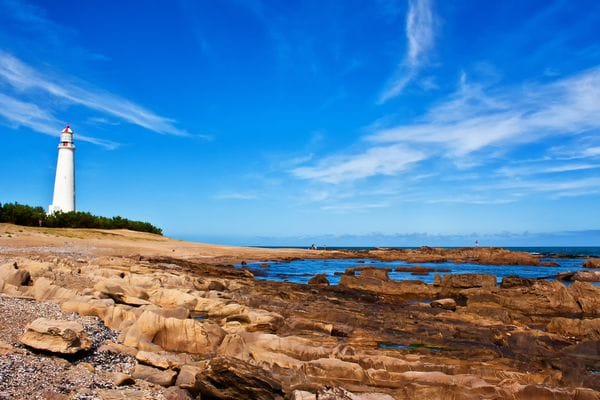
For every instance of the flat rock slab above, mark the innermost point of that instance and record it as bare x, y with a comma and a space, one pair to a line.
55, 336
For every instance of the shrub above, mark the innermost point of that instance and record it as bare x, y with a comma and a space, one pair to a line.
20, 214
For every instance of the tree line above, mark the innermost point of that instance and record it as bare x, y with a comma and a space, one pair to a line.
20, 214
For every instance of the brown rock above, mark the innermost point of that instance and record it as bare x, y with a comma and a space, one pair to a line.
169, 298
64, 337
375, 280
374, 273
216, 285
333, 369
175, 393
319, 279
169, 312
120, 394
5, 348
189, 376
154, 375
122, 293
163, 359
118, 348
580, 328
465, 281
229, 378
12, 275
542, 298
445, 304
152, 332
516, 281
303, 395
83, 306
587, 296
592, 263
121, 379
586, 276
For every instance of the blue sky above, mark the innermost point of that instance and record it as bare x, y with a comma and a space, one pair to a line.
245, 121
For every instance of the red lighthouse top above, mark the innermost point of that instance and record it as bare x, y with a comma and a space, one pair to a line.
67, 129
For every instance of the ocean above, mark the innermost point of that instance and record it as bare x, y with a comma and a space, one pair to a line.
300, 271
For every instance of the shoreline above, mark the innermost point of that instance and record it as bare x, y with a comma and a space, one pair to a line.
181, 319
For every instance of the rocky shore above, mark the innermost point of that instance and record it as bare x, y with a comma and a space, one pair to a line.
120, 315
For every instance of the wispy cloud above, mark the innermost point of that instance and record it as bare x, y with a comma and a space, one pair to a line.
477, 126
18, 113
537, 169
26, 79
472, 119
385, 160
558, 188
420, 40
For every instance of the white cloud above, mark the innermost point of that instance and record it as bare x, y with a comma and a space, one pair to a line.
18, 113
26, 79
559, 188
476, 127
420, 40
545, 169
384, 160
472, 120
591, 152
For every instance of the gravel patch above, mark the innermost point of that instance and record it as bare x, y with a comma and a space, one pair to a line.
26, 374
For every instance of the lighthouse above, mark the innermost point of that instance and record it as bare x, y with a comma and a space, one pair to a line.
64, 184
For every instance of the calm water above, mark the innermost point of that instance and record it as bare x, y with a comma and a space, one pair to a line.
300, 271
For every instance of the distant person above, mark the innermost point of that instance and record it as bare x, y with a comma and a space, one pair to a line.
476, 243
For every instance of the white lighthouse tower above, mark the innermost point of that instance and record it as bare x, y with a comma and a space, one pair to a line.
64, 185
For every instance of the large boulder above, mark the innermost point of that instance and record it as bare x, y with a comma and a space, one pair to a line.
376, 280
63, 337
592, 263
152, 332
319, 279
229, 378
587, 296
542, 298
586, 276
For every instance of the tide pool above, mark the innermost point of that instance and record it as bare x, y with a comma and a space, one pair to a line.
300, 271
